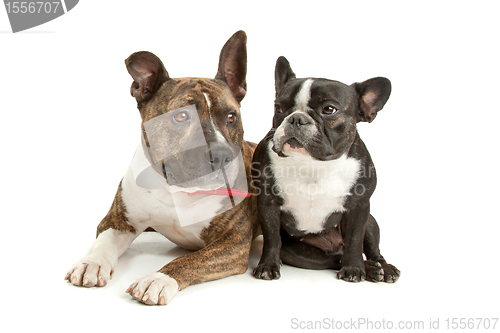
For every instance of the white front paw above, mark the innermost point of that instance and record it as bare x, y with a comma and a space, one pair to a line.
90, 271
154, 289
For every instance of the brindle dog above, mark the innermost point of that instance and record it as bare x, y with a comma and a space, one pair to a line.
222, 243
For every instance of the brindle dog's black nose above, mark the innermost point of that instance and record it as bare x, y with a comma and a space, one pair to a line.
218, 156
298, 119
167, 173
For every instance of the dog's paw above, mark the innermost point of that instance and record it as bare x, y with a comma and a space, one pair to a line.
90, 272
351, 274
374, 271
391, 273
267, 272
154, 289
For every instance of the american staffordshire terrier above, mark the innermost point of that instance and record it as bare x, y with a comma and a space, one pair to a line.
315, 177
200, 179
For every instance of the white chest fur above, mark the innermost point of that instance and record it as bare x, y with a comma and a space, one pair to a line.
156, 208
313, 189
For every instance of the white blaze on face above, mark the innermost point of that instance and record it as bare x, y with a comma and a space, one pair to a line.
301, 106
218, 134
304, 95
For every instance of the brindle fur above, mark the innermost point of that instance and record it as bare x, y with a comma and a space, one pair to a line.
117, 216
228, 238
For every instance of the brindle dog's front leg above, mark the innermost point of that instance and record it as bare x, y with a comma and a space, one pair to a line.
353, 268
224, 256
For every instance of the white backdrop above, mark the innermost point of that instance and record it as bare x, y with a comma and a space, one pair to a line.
70, 128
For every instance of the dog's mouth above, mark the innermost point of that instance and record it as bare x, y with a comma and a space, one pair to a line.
212, 172
294, 143
290, 146
206, 167
212, 181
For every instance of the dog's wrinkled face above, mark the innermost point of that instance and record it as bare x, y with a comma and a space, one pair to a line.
192, 129
315, 117
318, 117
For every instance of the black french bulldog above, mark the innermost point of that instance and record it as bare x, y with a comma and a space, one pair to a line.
315, 178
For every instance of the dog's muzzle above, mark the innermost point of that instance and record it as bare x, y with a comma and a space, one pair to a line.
294, 133
174, 155
205, 166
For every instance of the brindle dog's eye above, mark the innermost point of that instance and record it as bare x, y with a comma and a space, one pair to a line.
277, 109
329, 109
231, 117
181, 117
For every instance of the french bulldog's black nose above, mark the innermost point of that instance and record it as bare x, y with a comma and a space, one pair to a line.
298, 119
218, 156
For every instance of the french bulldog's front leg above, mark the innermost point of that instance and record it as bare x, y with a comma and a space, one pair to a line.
270, 262
352, 264
383, 270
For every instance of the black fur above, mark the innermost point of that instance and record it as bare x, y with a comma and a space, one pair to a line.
345, 236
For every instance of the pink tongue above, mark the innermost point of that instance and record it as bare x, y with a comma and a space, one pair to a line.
288, 149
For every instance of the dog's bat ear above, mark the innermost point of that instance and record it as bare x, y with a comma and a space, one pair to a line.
282, 74
148, 73
233, 65
372, 96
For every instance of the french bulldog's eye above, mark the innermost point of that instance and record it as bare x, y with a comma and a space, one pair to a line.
231, 117
277, 109
181, 117
329, 109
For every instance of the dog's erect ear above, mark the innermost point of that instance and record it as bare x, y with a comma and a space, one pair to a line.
282, 74
233, 64
148, 73
372, 96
